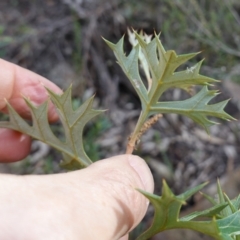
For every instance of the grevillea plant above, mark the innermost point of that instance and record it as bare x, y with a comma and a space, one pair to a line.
159, 67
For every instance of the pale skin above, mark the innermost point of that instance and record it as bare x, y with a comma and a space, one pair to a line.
99, 202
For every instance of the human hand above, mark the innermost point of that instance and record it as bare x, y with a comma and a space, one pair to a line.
99, 202
16, 83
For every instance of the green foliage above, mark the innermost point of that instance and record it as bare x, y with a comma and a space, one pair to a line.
161, 71
162, 67
224, 215
74, 156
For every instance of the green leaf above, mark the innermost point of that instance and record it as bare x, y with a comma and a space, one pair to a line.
210, 199
74, 156
162, 67
229, 226
166, 216
210, 212
129, 65
236, 203
196, 108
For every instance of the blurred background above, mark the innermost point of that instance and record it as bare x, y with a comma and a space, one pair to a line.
62, 41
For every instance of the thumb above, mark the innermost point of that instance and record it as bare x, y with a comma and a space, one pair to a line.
113, 206
99, 202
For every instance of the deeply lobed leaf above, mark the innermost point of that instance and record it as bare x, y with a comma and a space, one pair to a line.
162, 65
167, 208
73, 121
196, 108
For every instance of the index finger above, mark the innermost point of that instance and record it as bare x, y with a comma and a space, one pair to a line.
17, 82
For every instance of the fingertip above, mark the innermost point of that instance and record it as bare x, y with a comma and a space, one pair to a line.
14, 146
134, 167
120, 176
143, 171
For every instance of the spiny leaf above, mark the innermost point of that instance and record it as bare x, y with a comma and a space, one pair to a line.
236, 203
229, 217
142, 59
162, 67
196, 108
129, 64
229, 226
210, 212
166, 216
225, 212
73, 121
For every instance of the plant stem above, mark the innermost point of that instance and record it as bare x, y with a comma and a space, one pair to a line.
134, 137
141, 127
